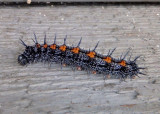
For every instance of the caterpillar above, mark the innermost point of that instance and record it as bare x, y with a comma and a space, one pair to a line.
76, 57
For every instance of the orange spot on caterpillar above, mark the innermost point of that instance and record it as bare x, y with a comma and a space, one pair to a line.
64, 65
75, 50
108, 59
45, 45
91, 54
108, 76
123, 63
38, 45
53, 46
79, 68
63, 48
134, 77
94, 72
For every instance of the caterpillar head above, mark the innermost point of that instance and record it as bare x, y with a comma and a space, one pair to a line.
26, 56
22, 60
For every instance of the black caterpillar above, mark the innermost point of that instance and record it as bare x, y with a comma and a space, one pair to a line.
88, 60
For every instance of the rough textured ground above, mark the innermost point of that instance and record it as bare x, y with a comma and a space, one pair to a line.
39, 89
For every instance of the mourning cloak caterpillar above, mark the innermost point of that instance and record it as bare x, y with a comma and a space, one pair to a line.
88, 60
